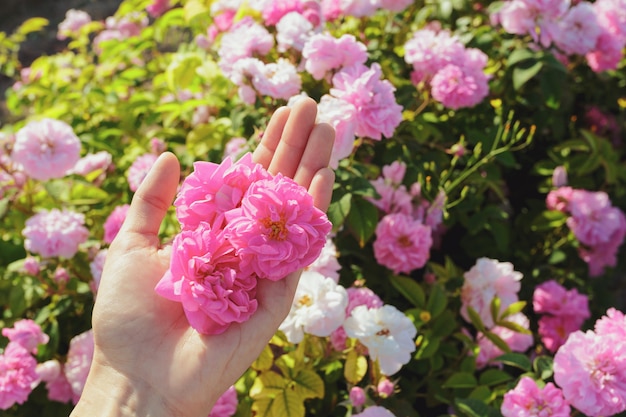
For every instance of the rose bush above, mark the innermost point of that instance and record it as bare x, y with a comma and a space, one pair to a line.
476, 262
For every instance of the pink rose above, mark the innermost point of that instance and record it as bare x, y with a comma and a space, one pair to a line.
18, 375
402, 244
27, 334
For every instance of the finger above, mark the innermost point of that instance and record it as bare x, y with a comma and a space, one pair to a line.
264, 153
294, 138
316, 154
322, 188
153, 198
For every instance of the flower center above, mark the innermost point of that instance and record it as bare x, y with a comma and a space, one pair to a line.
277, 230
305, 300
404, 241
383, 332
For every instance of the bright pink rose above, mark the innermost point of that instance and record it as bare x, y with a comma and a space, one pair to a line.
26, 333
528, 400
226, 404
554, 330
274, 10
550, 297
55, 233
402, 244
79, 357
139, 169
204, 277
277, 229
357, 396
457, 87
377, 112
114, 222
18, 375
614, 322
591, 370
46, 149
158, 7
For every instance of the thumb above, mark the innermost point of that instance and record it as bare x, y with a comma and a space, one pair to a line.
153, 199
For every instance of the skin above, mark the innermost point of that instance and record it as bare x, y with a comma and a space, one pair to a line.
148, 361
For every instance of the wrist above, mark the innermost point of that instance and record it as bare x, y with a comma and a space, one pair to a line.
109, 393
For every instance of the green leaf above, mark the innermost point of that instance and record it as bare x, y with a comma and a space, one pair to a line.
268, 384
410, 289
338, 210
265, 360
475, 319
497, 340
427, 347
287, 403
548, 220
182, 70
543, 366
517, 360
520, 55
513, 326
31, 25
514, 308
525, 71
437, 301
494, 377
460, 380
355, 368
472, 407
309, 384
362, 220
495, 308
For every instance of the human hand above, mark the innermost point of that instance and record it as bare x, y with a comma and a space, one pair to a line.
148, 360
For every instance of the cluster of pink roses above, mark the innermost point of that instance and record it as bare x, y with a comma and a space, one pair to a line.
595, 30
598, 226
454, 73
239, 224
405, 233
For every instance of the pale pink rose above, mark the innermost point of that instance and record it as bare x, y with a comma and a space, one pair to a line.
591, 370
46, 149
456, 87
528, 400
402, 244
327, 263
292, 32
362, 296
55, 233
139, 170
31, 265
559, 199
26, 333
61, 276
235, 147
517, 342
614, 322
394, 172
278, 79
18, 375
487, 279
274, 11
158, 7
113, 223
277, 229
226, 404
357, 396
243, 40
537, 18
341, 116
203, 276
129, 25
593, 219
395, 5
359, 8
93, 162
387, 334
550, 297
318, 308
74, 21
579, 30
323, 53
394, 198
375, 411
79, 357
157, 146
331, 9
338, 339
57, 385
554, 330
377, 112
430, 50
213, 189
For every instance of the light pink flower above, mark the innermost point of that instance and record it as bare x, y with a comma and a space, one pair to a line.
139, 169
46, 149
528, 400
394, 197
55, 233
375, 411
457, 87
614, 322
274, 11
93, 162
341, 116
323, 53
277, 229
235, 147
357, 396
26, 333
74, 21
318, 308
377, 112
593, 219
292, 32
362, 296
579, 29
158, 7
59, 388
385, 388
402, 244
18, 375
550, 297
487, 279
517, 342
559, 199
79, 357
278, 79
226, 404
113, 223
31, 265
327, 263
245, 39
429, 51
204, 277
591, 370
387, 334
61, 275
359, 8
554, 330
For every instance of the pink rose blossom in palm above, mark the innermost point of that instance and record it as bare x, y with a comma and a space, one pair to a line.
74, 21
158, 7
402, 244
341, 116
292, 32
324, 53
614, 322
377, 112
18, 375
204, 277
591, 370
55, 233
46, 149
550, 297
113, 223
226, 404
318, 308
277, 229
79, 358
487, 279
375, 411
528, 400
57, 385
139, 170
243, 40
26, 333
